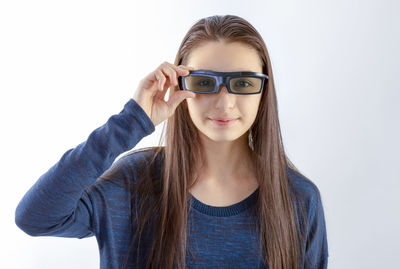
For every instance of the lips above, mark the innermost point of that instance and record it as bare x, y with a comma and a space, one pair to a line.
223, 119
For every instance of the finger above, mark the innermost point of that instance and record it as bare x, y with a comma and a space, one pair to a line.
149, 81
183, 72
178, 97
161, 93
186, 67
160, 78
180, 70
177, 67
171, 73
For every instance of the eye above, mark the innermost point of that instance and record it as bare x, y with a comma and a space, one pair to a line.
243, 83
204, 83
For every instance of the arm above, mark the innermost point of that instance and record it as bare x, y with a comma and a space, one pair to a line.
57, 204
317, 243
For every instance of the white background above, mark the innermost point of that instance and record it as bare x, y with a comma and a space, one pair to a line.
67, 66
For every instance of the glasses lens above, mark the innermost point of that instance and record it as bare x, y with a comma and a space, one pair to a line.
246, 84
200, 83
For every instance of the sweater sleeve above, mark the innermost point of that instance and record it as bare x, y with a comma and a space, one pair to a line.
317, 244
57, 204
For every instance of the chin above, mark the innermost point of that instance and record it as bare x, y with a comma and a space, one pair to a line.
221, 136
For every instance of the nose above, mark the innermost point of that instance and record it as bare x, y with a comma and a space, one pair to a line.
222, 90
224, 98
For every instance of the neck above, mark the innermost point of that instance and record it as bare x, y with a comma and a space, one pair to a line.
227, 162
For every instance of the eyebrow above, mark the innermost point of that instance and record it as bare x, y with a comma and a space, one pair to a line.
247, 70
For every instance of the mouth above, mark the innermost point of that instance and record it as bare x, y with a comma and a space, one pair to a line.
224, 121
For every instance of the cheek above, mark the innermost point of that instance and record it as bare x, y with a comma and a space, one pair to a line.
251, 105
195, 108
198, 103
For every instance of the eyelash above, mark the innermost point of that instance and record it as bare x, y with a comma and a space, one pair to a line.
237, 81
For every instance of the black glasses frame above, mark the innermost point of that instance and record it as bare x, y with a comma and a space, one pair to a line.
222, 78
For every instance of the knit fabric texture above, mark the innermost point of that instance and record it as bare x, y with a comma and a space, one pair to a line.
72, 200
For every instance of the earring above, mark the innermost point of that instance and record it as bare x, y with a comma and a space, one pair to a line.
250, 139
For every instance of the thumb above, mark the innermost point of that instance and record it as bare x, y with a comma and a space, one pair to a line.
178, 97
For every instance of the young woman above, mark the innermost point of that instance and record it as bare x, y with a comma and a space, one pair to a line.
220, 194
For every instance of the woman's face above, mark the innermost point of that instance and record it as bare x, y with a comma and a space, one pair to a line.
224, 57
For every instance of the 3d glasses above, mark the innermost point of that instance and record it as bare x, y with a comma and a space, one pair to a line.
207, 81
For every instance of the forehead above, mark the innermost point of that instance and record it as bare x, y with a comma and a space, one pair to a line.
225, 57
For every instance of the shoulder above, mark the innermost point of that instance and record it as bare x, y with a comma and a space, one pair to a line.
308, 201
129, 168
138, 156
305, 190
142, 160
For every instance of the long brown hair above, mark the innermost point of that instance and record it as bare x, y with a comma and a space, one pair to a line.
162, 199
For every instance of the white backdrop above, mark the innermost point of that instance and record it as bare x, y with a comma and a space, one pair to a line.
67, 66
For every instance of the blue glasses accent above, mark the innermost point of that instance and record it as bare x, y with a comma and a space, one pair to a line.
207, 81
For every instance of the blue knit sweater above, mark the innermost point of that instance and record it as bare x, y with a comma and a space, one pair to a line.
70, 200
